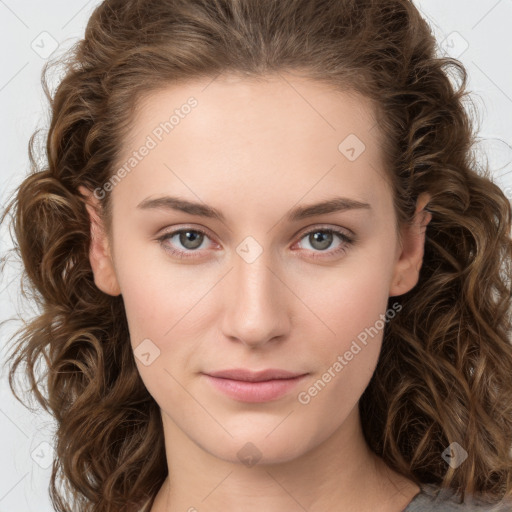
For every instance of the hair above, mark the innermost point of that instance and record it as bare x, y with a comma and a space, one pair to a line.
444, 370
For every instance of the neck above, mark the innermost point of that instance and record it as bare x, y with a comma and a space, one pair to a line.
341, 473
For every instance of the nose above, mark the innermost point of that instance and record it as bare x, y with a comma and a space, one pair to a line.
256, 303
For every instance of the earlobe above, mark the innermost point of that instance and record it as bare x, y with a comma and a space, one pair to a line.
100, 254
410, 260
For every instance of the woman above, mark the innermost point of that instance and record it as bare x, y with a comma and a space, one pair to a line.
271, 275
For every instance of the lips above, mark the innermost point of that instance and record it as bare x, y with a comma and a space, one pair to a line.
245, 375
254, 387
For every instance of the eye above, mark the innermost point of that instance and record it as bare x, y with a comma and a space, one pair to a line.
190, 239
320, 239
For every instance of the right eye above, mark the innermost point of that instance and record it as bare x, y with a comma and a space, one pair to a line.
190, 239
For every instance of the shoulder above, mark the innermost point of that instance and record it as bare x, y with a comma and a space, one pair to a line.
432, 498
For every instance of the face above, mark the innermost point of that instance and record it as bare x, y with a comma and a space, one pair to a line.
267, 282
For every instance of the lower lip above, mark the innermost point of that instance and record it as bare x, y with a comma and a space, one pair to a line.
264, 391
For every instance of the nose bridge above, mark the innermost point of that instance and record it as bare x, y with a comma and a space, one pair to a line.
254, 308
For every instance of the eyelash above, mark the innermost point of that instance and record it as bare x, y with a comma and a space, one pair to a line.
347, 241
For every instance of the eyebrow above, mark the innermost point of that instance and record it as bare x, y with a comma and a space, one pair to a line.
336, 204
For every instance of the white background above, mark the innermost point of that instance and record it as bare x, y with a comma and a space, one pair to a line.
478, 28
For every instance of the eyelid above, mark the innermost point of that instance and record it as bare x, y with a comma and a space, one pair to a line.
327, 227
186, 227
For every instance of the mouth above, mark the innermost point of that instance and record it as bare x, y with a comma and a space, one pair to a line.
246, 375
254, 387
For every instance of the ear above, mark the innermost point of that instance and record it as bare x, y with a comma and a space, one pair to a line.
99, 251
410, 257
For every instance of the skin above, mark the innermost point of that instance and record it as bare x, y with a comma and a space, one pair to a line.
254, 150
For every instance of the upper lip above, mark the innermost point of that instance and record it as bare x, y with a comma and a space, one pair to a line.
254, 376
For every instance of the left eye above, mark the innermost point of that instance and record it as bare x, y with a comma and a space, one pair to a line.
322, 238
191, 239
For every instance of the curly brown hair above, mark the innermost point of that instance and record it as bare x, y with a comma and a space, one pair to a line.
444, 373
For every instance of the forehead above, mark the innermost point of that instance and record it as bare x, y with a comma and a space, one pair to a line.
239, 106
281, 136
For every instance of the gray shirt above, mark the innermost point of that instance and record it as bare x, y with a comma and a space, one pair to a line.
447, 501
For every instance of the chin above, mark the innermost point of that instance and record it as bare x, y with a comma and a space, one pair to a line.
254, 449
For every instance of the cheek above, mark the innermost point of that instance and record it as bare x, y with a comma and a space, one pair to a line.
161, 303
346, 357
143, 304
350, 304
348, 301
156, 294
